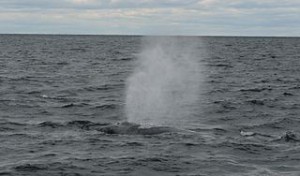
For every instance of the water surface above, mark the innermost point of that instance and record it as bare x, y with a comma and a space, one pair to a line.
58, 93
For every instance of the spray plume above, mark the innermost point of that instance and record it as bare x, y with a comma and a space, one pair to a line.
165, 84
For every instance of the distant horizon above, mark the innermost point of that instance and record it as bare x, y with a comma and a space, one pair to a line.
146, 35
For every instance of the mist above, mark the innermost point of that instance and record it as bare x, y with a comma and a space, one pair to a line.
165, 85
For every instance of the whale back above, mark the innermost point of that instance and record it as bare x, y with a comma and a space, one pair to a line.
135, 129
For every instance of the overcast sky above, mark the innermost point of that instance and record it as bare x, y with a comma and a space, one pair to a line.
152, 17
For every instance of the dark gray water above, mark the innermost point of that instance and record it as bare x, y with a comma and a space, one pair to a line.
62, 97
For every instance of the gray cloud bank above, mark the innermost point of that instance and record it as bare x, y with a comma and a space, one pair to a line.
175, 17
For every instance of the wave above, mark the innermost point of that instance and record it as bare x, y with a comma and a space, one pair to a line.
80, 124
74, 105
10, 126
283, 123
106, 106
104, 87
256, 89
108, 128
50, 124
45, 168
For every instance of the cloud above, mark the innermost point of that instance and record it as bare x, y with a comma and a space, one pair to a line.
93, 4
189, 17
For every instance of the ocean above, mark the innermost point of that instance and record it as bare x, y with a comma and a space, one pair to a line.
130, 105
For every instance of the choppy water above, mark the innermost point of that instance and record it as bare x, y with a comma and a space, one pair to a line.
61, 96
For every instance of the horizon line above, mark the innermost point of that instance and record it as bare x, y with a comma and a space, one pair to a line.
145, 35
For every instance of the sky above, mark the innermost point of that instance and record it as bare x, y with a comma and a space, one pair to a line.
152, 17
